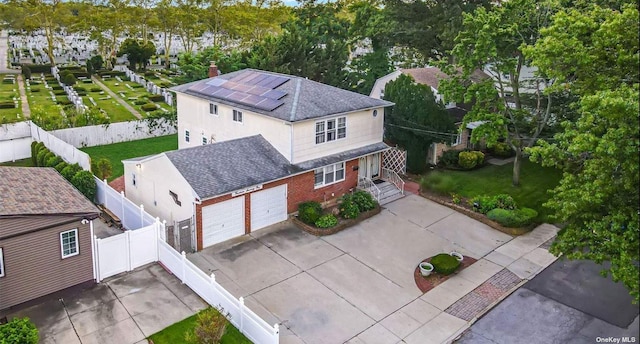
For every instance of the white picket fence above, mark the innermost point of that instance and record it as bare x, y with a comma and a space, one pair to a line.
98, 135
145, 243
15, 141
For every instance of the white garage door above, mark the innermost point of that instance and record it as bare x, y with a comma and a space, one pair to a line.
222, 221
268, 207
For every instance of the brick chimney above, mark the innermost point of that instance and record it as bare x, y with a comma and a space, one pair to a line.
213, 70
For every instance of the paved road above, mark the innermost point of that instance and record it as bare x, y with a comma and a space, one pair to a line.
4, 47
569, 302
117, 97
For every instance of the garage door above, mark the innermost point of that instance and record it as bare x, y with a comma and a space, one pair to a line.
268, 207
222, 221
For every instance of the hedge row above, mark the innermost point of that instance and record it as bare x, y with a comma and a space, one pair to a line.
82, 180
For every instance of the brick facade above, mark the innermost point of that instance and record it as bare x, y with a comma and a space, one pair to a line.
300, 188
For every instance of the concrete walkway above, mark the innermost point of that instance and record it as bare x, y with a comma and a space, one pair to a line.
24, 101
4, 48
116, 97
124, 309
357, 286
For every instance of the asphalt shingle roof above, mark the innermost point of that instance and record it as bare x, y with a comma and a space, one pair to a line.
343, 156
305, 99
223, 167
40, 191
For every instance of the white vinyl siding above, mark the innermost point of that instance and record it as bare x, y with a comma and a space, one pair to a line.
1, 263
331, 130
329, 174
69, 243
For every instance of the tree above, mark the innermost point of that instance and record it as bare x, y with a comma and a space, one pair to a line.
597, 199
167, 25
190, 27
102, 168
85, 183
416, 120
195, 66
509, 105
138, 53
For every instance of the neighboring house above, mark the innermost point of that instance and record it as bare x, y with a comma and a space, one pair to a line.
431, 77
252, 146
45, 235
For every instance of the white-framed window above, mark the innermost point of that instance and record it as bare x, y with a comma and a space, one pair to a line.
237, 116
213, 109
133, 179
329, 174
187, 137
331, 129
458, 140
1, 262
204, 140
69, 243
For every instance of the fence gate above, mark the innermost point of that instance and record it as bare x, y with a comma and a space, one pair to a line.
184, 235
171, 239
395, 159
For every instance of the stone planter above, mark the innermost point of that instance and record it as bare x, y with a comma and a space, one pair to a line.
459, 257
425, 269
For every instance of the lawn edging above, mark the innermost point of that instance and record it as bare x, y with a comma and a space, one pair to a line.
480, 217
343, 224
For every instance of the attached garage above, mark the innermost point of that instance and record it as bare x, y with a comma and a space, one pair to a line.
268, 207
222, 221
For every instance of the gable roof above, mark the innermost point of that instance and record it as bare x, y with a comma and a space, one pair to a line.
432, 75
226, 166
40, 191
304, 99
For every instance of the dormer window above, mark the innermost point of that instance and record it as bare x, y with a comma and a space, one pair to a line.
331, 130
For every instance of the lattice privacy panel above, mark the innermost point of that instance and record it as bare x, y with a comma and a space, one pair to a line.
395, 159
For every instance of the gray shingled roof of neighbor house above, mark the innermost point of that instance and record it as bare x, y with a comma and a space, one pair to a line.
223, 167
304, 99
40, 191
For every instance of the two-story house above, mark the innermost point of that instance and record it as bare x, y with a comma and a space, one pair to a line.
252, 146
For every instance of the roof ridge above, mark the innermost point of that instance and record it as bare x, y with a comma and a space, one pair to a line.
296, 97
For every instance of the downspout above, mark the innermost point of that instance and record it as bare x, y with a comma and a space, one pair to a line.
195, 223
93, 251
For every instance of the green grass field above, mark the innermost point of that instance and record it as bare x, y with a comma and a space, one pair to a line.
535, 181
18, 163
9, 92
130, 95
126, 150
176, 333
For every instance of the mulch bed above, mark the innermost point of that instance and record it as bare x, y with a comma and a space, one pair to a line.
342, 223
427, 283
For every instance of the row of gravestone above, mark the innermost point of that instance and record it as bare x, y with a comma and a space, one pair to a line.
148, 85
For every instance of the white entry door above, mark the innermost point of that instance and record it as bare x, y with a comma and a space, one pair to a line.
268, 207
222, 221
369, 166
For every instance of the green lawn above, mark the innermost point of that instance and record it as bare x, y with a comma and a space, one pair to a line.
176, 333
125, 150
9, 92
130, 95
20, 163
535, 180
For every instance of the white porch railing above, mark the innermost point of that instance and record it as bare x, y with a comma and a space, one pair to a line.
393, 177
369, 185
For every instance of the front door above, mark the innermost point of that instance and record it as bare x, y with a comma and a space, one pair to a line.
369, 166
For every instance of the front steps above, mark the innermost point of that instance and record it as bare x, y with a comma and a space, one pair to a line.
388, 193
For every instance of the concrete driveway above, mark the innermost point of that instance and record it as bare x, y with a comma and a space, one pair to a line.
124, 309
356, 286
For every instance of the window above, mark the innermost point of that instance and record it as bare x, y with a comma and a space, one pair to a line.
1, 263
204, 140
213, 109
133, 179
69, 243
186, 136
175, 198
329, 174
458, 140
237, 116
331, 130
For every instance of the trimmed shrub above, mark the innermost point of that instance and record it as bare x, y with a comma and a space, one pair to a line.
70, 171
479, 157
102, 168
40, 157
513, 218
140, 102
35, 90
502, 150
156, 98
444, 263
85, 183
80, 89
211, 324
7, 105
34, 153
59, 93
149, 107
309, 212
450, 158
59, 167
326, 221
364, 200
95, 89
57, 88
467, 160
44, 68
348, 208
69, 79
26, 71
19, 331
136, 86
53, 161
485, 203
438, 182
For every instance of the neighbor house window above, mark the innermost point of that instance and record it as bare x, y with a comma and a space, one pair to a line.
133, 179
1, 263
204, 140
237, 116
331, 129
458, 140
213, 109
69, 243
329, 174
186, 136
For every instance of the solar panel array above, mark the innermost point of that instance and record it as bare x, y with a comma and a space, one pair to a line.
250, 88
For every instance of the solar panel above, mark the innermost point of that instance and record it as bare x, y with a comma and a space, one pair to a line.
257, 80
257, 90
216, 82
275, 94
237, 96
274, 81
269, 104
222, 93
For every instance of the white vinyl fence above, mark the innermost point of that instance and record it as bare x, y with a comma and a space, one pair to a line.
145, 244
15, 141
64, 150
98, 135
